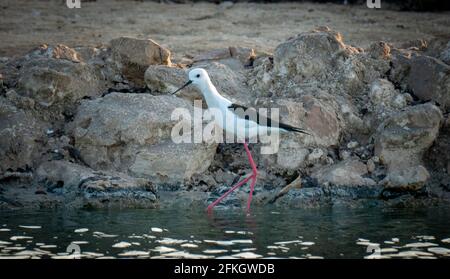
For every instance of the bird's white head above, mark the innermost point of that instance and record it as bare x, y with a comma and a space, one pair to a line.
197, 76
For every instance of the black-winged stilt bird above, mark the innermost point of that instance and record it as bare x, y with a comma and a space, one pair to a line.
234, 118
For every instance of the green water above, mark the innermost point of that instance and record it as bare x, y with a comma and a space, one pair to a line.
326, 232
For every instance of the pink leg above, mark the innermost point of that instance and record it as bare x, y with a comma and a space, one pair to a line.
210, 207
239, 184
254, 174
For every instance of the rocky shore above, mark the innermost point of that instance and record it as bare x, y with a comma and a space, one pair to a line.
88, 127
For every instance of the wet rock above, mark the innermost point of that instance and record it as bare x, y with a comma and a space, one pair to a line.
20, 136
426, 77
84, 187
57, 85
133, 56
170, 163
401, 141
291, 155
132, 132
413, 177
437, 158
350, 172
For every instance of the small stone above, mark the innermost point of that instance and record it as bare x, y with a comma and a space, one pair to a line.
344, 154
408, 97
399, 101
370, 166
315, 155
352, 144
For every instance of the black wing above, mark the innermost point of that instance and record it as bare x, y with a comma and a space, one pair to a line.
244, 113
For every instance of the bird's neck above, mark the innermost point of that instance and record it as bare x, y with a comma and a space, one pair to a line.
212, 96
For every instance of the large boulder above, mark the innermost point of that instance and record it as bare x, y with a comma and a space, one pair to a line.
133, 56
319, 59
123, 132
401, 141
57, 85
21, 137
171, 163
308, 54
350, 172
426, 77
319, 115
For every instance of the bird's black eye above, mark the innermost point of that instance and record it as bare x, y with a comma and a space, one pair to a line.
198, 75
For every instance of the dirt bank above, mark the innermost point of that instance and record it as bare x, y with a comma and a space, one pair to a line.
188, 29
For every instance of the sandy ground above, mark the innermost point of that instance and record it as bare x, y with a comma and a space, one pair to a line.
188, 29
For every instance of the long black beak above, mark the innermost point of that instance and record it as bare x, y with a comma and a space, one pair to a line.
186, 84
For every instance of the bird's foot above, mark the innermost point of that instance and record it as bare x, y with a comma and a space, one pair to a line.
251, 177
